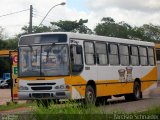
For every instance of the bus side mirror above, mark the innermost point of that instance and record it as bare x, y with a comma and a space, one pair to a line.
78, 49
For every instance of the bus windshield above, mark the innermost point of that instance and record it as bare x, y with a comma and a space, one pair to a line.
43, 60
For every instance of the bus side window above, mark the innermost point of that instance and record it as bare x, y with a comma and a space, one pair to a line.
143, 56
101, 52
76, 59
151, 56
113, 54
134, 56
124, 55
89, 53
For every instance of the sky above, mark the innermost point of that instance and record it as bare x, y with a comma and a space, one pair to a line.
133, 12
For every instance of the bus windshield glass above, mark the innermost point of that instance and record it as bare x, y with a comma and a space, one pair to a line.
44, 60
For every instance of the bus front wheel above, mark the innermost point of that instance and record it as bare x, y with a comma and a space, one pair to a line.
90, 96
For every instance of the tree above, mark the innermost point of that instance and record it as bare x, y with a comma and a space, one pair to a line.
60, 26
108, 27
35, 29
9, 44
151, 32
71, 26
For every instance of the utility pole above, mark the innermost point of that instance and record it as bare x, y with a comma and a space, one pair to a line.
30, 20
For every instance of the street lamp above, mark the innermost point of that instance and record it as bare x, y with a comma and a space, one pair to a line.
63, 3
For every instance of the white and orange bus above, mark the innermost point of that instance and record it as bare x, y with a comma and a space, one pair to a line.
62, 65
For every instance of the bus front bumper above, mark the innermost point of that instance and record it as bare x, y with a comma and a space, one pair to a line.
30, 95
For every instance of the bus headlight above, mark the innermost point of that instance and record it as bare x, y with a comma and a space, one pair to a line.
23, 88
62, 87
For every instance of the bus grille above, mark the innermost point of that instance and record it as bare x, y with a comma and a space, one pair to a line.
41, 88
40, 95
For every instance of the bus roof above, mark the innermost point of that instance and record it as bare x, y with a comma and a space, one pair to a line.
91, 37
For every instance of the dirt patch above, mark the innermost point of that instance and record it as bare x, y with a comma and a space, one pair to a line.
5, 96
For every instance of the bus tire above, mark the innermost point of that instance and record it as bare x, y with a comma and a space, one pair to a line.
137, 94
90, 95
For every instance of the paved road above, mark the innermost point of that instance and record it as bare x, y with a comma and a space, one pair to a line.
5, 96
133, 106
150, 99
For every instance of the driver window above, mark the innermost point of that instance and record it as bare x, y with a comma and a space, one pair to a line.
76, 59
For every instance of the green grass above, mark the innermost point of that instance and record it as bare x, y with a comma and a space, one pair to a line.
74, 111
67, 111
14, 106
152, 110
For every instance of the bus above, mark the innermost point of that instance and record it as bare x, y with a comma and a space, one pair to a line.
63, 65
12, 56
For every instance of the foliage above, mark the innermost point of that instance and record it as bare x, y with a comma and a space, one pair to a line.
108, 27
71, 26
36, 29
15, 106
151, 32
9, 44
1, 33
60, 26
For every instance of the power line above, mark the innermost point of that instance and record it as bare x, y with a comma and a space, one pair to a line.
14, 13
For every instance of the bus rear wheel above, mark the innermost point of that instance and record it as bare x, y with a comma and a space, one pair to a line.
137, 94
137, 91
90, 96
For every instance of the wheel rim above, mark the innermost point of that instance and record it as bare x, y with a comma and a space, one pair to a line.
90, 96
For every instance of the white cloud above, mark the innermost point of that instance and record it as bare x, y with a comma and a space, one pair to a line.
139, 5
13, 23
134, 12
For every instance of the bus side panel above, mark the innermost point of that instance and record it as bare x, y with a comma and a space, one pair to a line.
78, 87
109, 83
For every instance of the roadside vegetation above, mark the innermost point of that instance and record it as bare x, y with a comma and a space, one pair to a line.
13, 106
74, 111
